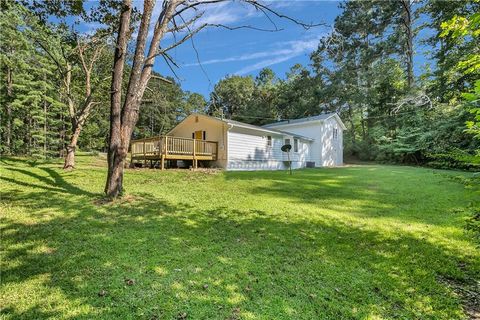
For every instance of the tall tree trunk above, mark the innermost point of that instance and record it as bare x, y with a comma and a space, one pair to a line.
352, 123
45, 133
29, 134
123, 120
364, 132
407, 22
44, 116
8, 128
115, 155
78, 117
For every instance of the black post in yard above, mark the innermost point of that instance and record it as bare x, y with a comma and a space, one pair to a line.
286, 148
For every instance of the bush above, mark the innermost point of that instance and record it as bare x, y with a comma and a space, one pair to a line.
455, 159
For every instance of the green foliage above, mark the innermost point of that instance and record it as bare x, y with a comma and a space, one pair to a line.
231, 96
32, 117
165, 104
34, 57
473, 99
459, 29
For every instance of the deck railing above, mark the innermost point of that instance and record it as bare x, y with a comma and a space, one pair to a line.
170, 147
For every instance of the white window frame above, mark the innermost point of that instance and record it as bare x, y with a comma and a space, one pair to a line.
295, 145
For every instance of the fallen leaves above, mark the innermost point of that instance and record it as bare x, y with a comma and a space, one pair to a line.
102, 293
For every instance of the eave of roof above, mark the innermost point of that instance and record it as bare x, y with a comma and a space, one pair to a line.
320, 117
247, 126
257, 128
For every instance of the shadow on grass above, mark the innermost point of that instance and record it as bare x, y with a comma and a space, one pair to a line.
215, 263
395, 193
254, 263
53, 182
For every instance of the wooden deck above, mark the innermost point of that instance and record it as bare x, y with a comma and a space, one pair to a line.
163, 148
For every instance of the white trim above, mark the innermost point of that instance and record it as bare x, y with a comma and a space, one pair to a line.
297, 122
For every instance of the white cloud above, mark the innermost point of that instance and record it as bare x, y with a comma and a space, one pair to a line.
280, 52
292, 50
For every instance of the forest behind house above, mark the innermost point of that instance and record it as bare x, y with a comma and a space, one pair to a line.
56, 84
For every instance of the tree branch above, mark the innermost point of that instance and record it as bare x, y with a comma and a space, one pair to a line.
265, 8
186, 24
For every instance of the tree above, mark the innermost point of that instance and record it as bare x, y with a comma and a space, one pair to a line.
124, 115
164, 105
77, 60
79, 113
33, 110
231, 96
458, 29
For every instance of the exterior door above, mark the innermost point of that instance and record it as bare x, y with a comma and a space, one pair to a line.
198, 135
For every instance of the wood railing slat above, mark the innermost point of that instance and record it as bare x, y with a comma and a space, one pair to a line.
164, 145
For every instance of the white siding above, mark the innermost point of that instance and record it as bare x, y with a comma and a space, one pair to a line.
332, 148
248, 150
324, 150
310, 130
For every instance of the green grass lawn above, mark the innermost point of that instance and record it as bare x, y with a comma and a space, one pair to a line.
359, 242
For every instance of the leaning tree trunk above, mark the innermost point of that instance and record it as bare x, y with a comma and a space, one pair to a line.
70, 157
123, 120
78, 117
115, 156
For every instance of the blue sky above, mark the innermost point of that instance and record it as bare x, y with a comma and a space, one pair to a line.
245, 52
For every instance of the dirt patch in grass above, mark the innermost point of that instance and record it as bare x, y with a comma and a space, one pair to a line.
127, 199
469, 294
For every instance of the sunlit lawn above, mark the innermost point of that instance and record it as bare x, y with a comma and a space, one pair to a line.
355, 242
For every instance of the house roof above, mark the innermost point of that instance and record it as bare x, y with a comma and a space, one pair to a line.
320, 117
249, 126
254, 127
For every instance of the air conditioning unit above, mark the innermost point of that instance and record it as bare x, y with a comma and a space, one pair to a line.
310, 164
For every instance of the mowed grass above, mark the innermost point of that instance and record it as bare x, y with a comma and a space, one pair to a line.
359, 242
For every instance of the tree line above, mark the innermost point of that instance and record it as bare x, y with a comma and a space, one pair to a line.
365, 70
57, 83
56, 88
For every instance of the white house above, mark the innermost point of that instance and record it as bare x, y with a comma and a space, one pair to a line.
316, 142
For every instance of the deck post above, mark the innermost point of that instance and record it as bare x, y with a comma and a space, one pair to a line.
144, 155
131, 155
164, 151
194, 154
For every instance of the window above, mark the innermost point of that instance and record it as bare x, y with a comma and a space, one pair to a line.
269, 141
287, 141
335, 134
295, 145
